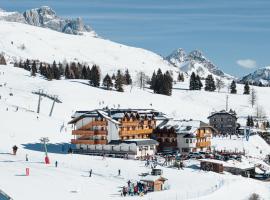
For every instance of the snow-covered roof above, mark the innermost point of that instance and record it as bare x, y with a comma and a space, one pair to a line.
115, 114
230, 112
183, 126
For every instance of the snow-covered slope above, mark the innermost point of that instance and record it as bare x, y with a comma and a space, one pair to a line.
261, 75
70, 180
195, 62
21, 41
47, 18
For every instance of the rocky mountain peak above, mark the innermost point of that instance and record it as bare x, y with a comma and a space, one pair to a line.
258, 77
46, 17
196, 62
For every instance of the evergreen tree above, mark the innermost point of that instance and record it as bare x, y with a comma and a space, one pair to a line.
233, 87
251, 121
267, 124
34, 69
95, 76
27, 65
158, 82
56, 72
113, 77
248, 121
198, 83
192, 82
180, 77
20, 64
246, 88
61, 69
67, 72
49, 73
128, 80
167, 84
84, 73
153, 81
119, 81
210, 83
88, 70
107, 82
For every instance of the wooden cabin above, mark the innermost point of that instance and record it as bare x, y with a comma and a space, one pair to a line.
154, 183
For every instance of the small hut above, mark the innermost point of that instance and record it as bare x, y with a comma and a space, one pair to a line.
154, 183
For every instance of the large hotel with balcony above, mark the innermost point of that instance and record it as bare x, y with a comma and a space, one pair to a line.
103, 128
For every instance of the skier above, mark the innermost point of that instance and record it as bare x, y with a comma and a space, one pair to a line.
119, 172
14, 148
181, 164
56, 163
124, 191
90, 173
26, 157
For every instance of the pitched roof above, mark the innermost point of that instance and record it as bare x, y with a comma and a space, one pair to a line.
115, 114
222, 112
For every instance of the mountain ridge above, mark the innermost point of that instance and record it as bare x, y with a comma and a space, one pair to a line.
196, 62
46, 17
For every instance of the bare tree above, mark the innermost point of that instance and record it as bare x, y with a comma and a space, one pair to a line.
260, 112
219, 84
252, 97
141, 79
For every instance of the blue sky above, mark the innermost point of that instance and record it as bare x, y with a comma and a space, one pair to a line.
234, 34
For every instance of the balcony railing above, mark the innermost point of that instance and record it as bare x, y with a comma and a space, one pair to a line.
94, 123
74, 141
135, 132
85, 132
203, 144
127, 123
91, 142
99, 123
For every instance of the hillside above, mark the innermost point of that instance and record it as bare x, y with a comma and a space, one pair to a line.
22, 41
70, 179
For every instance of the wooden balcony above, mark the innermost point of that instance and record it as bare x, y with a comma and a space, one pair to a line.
200, 134
94, 123
100, 141
136, 132
203, 144
99, 123
85, 132
90, 142
74, 141
130, 123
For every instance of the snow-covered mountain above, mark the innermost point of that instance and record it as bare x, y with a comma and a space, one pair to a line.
22, 41
47, 18
260, 76
196, 62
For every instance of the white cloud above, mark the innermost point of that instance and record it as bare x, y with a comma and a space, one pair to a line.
247, 63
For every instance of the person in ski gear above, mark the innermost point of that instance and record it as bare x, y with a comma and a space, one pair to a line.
56, 163
90, 173
119, 172
15, 149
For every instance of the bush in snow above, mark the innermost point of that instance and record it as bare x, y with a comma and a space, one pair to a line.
254, 196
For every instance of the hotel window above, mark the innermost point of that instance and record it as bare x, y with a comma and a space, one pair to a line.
146, 147
187, 141
152, 147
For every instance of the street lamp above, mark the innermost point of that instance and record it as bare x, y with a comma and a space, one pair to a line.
45, 140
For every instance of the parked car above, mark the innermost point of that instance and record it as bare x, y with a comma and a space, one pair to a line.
195, 155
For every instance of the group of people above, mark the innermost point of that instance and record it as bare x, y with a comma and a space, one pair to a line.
133, 189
